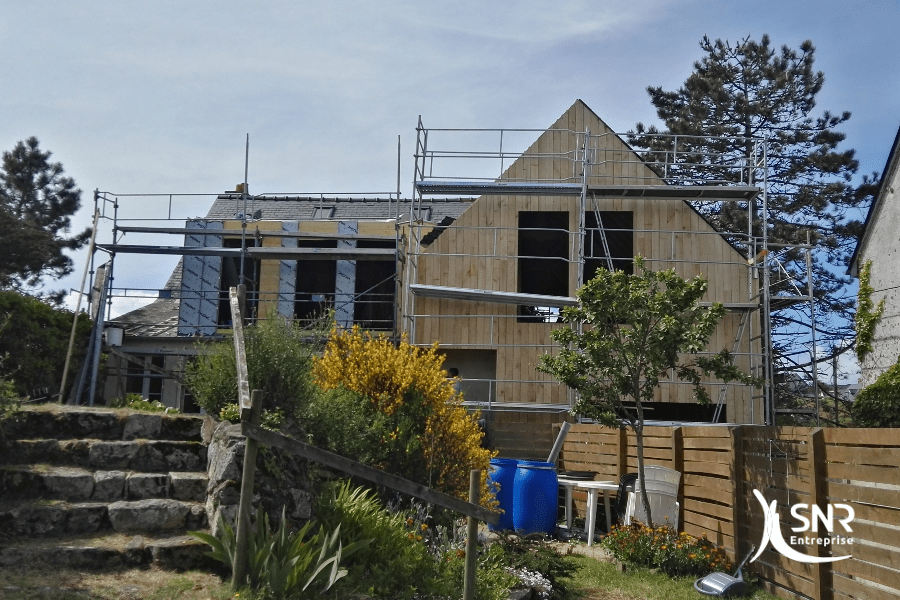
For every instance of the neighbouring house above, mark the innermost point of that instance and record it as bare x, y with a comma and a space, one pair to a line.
880, 245
480, 262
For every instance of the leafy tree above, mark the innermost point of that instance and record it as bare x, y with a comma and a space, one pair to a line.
34, 339
36, 203
749, 90
635, 329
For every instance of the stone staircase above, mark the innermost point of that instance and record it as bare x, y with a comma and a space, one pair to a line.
100, 488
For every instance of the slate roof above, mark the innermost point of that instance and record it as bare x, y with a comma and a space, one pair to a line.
160, 317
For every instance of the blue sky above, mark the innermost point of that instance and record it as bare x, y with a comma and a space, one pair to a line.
158, 96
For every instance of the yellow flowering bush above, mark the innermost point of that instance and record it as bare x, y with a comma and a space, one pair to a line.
418, 407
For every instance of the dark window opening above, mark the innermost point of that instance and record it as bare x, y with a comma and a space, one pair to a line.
619, 229
144, 382
231, 277
316, 280
374, 288
543, 260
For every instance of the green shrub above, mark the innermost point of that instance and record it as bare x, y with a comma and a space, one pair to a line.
9, 399
534, 554
34, 337
673, 553
878, 405
279, 358
280, 562
137, 402
396, 564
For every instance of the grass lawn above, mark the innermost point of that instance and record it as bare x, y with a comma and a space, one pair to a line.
600, 580
594, 580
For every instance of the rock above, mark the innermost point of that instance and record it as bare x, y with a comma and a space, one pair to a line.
181, 554
86, 517
220, 514
108, 486
116, 455
138, 426
149, 515
302, 508
137, 553
181, 427
188, 486
140, 486
69, 484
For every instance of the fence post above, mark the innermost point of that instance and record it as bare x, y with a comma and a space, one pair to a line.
678, 465
239, 572
821, 572
737, 485
472, 537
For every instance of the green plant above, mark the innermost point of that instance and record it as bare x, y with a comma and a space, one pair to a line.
270, 419
279, 563
867, 314
396, 564
533, 553
9, 399
279, 358
878, 404
137, 402
663, 548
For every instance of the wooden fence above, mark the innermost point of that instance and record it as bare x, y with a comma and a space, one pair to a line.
721, 466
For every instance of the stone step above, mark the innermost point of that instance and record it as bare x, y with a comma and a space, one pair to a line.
102, 424
179, 552
134, 455
74, 484
55, 518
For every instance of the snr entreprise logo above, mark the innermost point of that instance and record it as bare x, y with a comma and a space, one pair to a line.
772, 531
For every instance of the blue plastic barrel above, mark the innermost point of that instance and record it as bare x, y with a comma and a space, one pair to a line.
501, 479
535, 500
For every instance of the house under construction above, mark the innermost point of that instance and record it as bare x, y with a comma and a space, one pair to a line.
493, 243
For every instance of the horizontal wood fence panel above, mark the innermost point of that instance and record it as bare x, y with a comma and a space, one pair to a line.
786, 579
720, 511
878, 514
702, 486
707, 522
869, 572
718, 536
862, 437
708, 456
706, 443
884, 557
887, 475
859, 589
847, 492
723, 470
863, 456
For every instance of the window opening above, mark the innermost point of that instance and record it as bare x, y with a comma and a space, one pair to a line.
543, 266
618, 227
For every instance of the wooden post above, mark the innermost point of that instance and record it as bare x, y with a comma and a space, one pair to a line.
678, 465
738, 487
239, 574
821, 572
242, 301
472, 537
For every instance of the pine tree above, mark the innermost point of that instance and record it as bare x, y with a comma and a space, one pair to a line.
37, 201
750, 90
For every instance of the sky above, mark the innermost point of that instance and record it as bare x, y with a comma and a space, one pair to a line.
159, 96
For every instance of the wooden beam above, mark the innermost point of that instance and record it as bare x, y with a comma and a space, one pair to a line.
261, 233
376, 476
240, 355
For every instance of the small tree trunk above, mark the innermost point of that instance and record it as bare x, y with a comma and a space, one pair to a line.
639, 437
